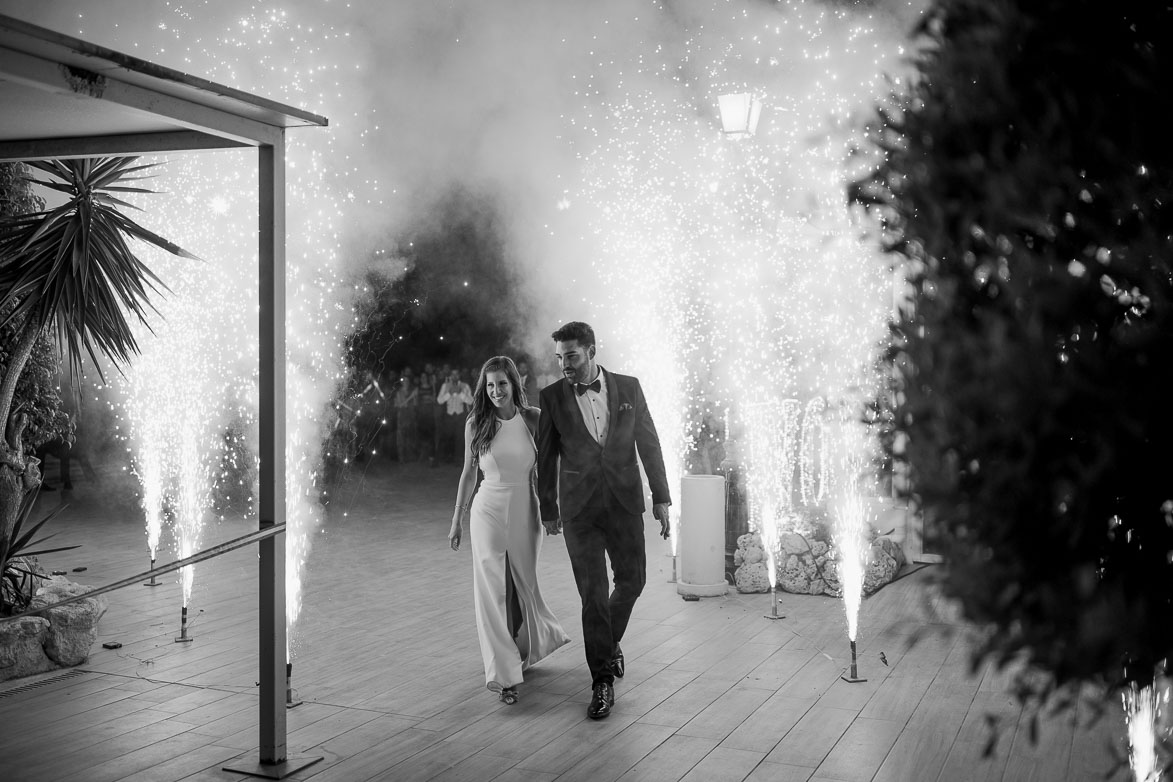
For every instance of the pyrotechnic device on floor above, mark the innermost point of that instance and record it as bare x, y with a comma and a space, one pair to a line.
853, 678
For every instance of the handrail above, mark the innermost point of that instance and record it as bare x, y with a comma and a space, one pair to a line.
200, 556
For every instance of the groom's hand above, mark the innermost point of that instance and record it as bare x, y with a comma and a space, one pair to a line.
660, 511
553, 526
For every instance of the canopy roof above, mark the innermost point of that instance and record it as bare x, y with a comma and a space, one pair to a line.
65, 97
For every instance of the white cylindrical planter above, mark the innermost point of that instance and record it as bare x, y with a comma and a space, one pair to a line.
700, 548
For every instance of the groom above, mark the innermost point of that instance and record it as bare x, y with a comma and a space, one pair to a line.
589, 487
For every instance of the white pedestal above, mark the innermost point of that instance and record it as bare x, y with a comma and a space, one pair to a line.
700, 548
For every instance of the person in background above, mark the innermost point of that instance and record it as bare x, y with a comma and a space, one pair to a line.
439, 419
455, 398
529, 381
426, 414
405, 417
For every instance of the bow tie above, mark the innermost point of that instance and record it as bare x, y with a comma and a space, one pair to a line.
582, 388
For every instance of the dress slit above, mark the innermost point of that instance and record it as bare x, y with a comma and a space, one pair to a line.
514, 612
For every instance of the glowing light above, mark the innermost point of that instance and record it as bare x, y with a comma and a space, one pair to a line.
771, 426
196, 378
1141, 710
740, 112
849, 515
736, 272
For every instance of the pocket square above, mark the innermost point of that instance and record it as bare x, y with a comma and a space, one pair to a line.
625, 406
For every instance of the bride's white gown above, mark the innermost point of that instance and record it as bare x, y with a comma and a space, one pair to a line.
504, 527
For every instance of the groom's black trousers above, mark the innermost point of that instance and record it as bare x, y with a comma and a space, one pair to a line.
604, 526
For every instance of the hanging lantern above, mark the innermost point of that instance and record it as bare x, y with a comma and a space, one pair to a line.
739, 114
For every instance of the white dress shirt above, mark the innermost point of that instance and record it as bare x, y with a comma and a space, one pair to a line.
595, 414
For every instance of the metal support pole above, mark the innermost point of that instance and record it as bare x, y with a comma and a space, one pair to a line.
854, 677
273, 762
289, 701
774, 606
183, 637
152, 582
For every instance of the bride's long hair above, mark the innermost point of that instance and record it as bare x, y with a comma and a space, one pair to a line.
484, 414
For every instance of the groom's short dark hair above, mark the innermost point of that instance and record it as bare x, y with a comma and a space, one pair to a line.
575, 330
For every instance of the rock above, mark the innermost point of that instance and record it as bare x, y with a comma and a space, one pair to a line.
72, 631
800, 575
752, 574
72, 628
752, 577
22, 651
60, 637
793, 543
885, 558
809, 566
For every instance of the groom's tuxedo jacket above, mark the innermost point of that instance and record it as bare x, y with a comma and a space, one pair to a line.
572, 465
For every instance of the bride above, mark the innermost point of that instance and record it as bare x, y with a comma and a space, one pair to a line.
515, 626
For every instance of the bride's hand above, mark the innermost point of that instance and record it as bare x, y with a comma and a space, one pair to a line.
455, 534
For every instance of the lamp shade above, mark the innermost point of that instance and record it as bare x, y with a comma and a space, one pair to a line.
739, 114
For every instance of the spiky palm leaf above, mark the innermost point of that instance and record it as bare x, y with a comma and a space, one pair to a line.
71, 265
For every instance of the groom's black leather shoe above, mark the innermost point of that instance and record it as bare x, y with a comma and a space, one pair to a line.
617, 666
601, 701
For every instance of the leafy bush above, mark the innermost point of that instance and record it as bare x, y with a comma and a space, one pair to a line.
1027, 190
18, 577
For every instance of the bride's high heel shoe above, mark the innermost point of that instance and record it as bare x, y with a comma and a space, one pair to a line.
509, 695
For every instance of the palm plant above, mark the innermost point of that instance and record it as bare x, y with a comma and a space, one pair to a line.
69, 269
17, 579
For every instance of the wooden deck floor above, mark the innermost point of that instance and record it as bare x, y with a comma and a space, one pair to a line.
386, 664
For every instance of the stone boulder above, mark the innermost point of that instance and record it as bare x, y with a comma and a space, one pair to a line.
752, 577
22, 647
752, 573
810, 566
73, 628
885, 558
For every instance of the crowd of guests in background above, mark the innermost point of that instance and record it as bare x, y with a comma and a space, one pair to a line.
416, 414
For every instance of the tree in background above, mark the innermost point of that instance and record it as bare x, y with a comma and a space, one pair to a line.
1026, 188
36, 393
447, 296
68, 271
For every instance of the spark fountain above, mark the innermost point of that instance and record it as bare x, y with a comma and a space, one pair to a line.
771, 426
191, 504
205, 345
850, 522
1145, 711
149, 469
734, 274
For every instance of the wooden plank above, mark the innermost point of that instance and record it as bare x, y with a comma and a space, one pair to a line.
670, 761
431, 761
476, 768
713, 690
687, 702
724, 765
763, 729
779, 772
625, 750
859, 753
373, 760
812, 737
967, 762
726, 714
181, 766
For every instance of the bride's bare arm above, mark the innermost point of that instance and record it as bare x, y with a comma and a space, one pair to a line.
464, 488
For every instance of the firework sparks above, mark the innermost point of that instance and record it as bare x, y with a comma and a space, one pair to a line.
1142, 707
734, 273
